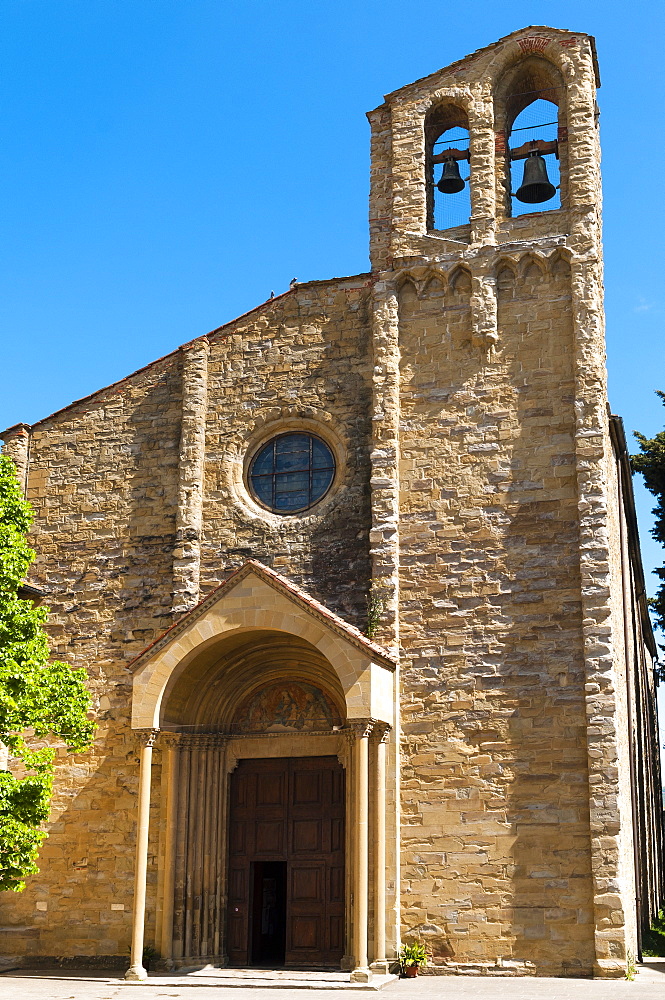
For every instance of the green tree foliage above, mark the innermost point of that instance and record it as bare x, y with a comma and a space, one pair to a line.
651, 463
38, 699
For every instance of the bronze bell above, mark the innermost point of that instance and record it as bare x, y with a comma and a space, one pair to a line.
450, 182
536, 185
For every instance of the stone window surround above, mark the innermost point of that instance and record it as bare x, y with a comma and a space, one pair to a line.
237, 469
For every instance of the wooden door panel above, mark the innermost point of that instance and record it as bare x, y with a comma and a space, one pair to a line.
306, 788
336, 835
238, 838
337, 787
240, 790
306, 836
336, 934
237, 935
237, 921
304, 798
306, 939
307, 884
336, 884
271, 789
238, 885
270, 837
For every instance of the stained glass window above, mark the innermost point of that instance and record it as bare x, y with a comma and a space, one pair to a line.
292, 472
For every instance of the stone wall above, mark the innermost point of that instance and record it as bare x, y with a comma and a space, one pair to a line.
302, 364
495, 785
102, 482
114, 484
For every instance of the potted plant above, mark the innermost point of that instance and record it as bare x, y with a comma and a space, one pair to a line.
411, 957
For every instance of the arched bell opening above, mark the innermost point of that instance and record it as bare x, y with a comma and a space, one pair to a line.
447, 166
532, 138
535, 178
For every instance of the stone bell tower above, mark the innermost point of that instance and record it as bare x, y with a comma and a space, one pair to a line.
495, 522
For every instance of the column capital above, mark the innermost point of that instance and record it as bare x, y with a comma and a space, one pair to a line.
360, 728
170, 741
381, 732
364, 728
147, 737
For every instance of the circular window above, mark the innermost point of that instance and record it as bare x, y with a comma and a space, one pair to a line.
291, 472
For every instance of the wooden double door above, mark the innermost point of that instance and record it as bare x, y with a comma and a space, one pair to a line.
286, 863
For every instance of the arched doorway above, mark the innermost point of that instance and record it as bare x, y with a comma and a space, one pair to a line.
258, 853
260, 673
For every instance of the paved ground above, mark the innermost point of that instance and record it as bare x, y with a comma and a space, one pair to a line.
649, 984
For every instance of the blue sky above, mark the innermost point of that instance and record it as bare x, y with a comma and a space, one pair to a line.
166, 163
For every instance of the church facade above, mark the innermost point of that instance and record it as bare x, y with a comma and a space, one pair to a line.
356, 582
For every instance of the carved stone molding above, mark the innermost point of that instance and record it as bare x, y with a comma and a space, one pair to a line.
308, 733
170, 741
344, 751
147, 737
231, 761
202, 741
381, 732
360, 728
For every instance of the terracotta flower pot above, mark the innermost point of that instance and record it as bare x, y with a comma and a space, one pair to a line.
410, 971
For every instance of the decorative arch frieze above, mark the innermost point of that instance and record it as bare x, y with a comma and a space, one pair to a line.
434, 286
559, 264
507, 264
532, 266
460, 282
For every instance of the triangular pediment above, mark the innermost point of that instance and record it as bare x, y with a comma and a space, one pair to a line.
269, 578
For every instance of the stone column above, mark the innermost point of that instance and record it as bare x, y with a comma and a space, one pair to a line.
482, 146
379, 738
344, 753
230, 763
222, 853
484, 319
384, 482
17, 446
384, 537
189, 512
172, 767
362, 730
136, 971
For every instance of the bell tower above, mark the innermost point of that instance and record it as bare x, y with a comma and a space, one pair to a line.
467, 115
494, 520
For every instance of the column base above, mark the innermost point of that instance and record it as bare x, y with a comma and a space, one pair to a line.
609, 968
361, 975
136, 974
381, 967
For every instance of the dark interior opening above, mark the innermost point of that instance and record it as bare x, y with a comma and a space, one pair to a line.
268, 919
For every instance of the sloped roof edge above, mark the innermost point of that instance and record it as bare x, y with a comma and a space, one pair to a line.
284, 586
494, 45
188, 343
